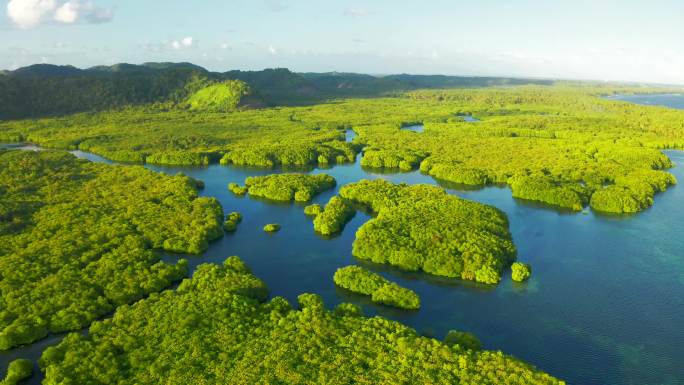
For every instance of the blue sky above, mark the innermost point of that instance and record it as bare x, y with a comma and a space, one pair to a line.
602, 40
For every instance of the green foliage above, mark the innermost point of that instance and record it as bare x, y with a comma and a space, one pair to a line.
559, 144
211, 331
76, 239
632, 192
362, 281
463, 339
237, 189
422, 227
313, 210
520, 271
334, 217
18, 370
288, 187
231, 222
358, 280
272, 228
404, 160
220, 97
178, 158
455, 174
42, 90
394, 295
544, 189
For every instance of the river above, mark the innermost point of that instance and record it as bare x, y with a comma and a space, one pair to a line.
604, 305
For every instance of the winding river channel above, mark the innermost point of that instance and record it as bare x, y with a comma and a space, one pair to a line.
604, 306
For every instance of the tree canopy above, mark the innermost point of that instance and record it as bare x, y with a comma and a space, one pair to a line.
215, 328
76, 239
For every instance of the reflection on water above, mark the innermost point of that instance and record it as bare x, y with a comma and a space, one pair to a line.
604, 304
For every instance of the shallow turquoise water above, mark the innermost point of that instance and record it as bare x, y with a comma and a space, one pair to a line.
604, 305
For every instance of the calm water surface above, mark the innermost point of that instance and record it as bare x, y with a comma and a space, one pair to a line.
604, 306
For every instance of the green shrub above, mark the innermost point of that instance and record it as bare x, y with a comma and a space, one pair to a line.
520, 271
272, 227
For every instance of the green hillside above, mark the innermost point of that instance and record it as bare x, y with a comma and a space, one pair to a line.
220, 97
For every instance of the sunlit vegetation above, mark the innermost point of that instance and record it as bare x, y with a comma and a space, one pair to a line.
465, 340
421, 227
334, 216
215, 328
520, 271
221, 97
271, 227
288, 187
76, 239
542, 188
361, 281
632, 192
563, 140
18, 370
313, 210
237, 189
231, 222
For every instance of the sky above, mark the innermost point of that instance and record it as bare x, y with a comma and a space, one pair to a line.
624, 40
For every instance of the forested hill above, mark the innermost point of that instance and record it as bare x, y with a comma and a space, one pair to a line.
44, 89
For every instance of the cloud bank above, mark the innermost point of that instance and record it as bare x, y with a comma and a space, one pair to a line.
27, 14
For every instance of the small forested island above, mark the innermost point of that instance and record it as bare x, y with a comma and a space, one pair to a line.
331, 218
362, 281
76, 239
272, 227
232, 221
286, 187
421, 227
217, 327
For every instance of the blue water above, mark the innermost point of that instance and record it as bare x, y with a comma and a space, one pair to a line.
605, 303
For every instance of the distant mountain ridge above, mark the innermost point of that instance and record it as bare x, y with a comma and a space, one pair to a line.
45, 89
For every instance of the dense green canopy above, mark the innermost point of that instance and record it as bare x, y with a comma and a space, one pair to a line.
363, 281
214, 329
557, 144
76, 239
333, 217
421, 227
287, 187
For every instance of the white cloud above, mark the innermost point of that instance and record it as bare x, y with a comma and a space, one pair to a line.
68, 12
31, 13
186, 42
355, 12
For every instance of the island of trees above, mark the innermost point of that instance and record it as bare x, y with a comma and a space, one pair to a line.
285, 187
365, 282
421, 227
